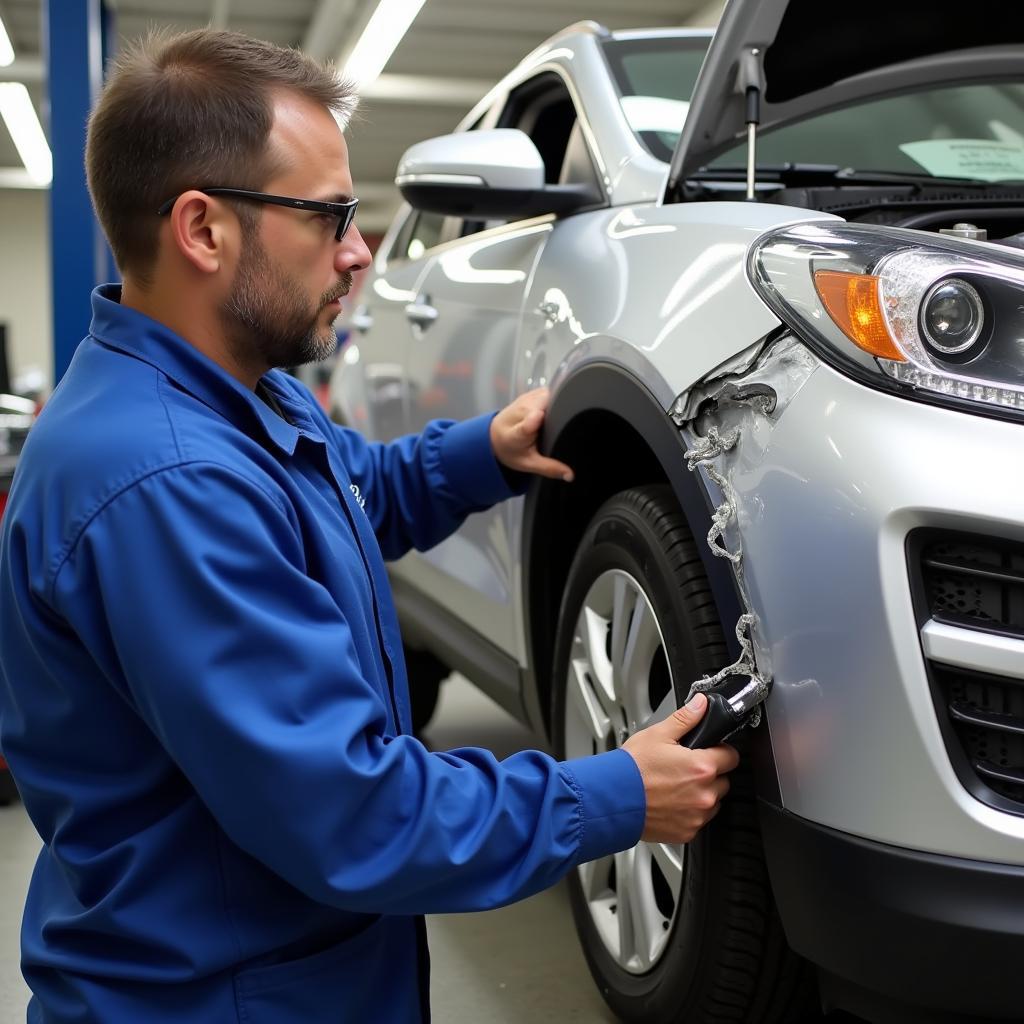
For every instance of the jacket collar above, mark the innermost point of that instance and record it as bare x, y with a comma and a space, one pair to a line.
141, 337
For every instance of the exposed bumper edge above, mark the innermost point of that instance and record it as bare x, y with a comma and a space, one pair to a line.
921, 930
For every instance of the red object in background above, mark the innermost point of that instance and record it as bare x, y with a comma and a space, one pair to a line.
3, 764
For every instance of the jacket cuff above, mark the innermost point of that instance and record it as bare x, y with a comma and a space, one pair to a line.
612, 802
470, 467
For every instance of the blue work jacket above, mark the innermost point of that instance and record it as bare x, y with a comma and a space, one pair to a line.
204, 704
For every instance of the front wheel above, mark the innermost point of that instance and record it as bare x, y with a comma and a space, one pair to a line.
671, 934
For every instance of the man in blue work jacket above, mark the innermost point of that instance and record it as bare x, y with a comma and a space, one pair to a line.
202, 693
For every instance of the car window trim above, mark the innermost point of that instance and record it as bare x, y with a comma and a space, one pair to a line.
589, 139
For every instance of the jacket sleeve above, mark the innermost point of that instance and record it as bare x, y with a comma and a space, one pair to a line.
418, 489
249, 676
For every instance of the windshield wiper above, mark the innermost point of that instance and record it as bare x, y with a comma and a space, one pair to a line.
797, 174
862, 177
784, 173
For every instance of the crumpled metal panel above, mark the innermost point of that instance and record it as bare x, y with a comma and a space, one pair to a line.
727, 420
826, 487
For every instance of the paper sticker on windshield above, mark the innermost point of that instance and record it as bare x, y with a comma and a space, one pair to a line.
983, 159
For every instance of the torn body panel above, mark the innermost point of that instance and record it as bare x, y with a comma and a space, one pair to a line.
827, 487
727, 421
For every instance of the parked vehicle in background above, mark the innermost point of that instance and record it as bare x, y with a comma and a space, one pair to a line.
778, 295
16, 416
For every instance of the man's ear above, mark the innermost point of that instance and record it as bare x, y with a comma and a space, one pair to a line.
203, 231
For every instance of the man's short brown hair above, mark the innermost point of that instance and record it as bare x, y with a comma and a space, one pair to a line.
189, 110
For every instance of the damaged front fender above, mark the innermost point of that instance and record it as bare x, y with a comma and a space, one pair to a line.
727, 422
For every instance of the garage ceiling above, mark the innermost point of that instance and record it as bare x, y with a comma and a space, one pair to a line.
453, 52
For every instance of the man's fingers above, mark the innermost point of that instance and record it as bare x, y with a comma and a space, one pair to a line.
515, 439
725, 757
543, 466
537, 398
683, 719
528, 426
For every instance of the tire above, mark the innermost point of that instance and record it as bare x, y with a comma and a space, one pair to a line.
426, 673
702, 942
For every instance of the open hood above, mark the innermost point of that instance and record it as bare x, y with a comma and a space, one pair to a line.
809, 56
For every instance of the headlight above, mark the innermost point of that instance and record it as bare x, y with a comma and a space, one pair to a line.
952, 320
929, 316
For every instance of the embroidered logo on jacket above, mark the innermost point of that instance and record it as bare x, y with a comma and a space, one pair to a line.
357, 494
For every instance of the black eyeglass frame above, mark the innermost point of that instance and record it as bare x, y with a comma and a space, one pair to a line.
345, 212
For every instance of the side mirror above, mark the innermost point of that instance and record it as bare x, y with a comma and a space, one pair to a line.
496, 174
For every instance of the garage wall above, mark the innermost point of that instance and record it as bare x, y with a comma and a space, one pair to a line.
709, 16
25, 280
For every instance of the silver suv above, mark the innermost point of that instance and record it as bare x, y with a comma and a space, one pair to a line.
774, 280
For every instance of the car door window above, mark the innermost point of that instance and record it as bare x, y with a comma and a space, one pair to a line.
544, 110
420, 232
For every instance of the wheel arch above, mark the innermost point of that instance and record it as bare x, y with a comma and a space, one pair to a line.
608, 426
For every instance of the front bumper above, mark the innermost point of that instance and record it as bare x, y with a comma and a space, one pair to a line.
901, 936
829, 491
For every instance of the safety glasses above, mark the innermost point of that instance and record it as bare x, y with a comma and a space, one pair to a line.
345, 212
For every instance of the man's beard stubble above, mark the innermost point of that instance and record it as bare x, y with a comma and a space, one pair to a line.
268, 317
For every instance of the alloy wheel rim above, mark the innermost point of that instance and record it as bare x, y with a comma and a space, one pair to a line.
618, 673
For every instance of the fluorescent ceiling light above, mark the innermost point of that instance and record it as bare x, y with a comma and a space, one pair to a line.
383, 32
6, 50
20, 117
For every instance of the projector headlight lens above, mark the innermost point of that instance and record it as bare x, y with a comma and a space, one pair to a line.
952, 319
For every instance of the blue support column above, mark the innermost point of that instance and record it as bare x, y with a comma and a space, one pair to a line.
74, 39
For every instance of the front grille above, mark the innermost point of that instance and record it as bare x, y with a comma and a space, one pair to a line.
987, 714
976, 582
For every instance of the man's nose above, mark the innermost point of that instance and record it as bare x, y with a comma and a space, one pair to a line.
352, 253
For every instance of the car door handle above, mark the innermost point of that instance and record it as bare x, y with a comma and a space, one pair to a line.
361, 320
421, 312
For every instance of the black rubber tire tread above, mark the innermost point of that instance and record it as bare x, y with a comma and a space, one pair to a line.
743, 972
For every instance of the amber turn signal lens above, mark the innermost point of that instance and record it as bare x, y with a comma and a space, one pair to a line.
853, 302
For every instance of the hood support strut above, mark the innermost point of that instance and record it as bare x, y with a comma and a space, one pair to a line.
750, 82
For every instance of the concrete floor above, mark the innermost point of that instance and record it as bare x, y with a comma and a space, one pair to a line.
18, 848
521, 962
503, 967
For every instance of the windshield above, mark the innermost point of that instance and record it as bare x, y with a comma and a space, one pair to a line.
655, 77
966, 131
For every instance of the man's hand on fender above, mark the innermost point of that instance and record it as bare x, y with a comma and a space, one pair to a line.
684, 787
514, 433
